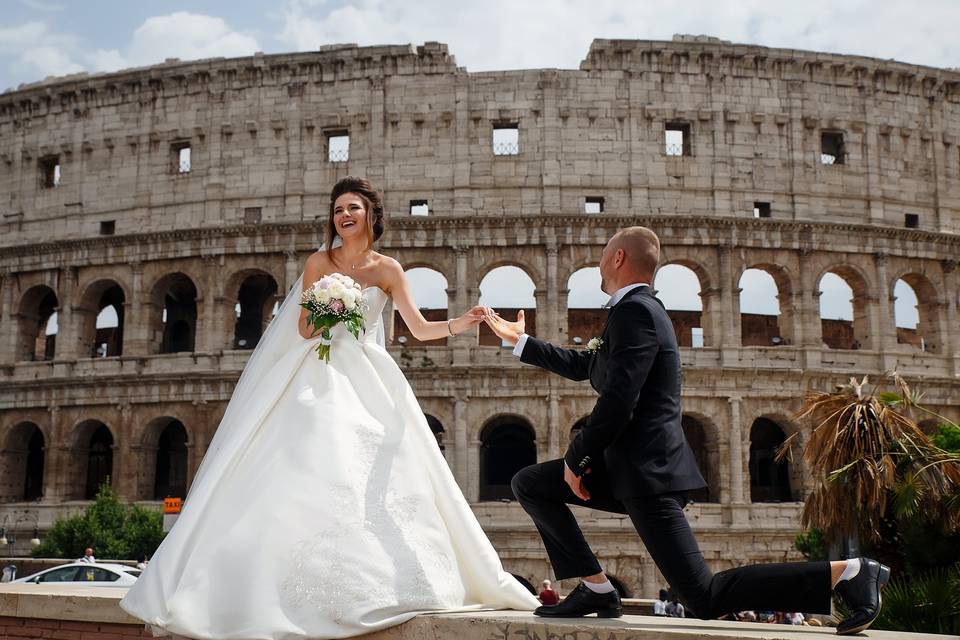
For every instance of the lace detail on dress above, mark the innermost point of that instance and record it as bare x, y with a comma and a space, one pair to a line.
404, 571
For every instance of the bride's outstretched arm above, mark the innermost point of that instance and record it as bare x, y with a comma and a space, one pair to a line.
421, 328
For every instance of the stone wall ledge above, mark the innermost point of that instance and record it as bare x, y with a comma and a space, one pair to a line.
98, 606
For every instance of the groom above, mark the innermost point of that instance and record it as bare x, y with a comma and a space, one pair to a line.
631, 457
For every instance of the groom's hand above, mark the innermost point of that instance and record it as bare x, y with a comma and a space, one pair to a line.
576, 483
506, 330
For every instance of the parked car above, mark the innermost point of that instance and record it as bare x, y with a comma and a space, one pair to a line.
94, 574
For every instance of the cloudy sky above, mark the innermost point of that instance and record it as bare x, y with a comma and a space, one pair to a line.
40, 38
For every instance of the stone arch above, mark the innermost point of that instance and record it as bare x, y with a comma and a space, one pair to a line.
98, 338
926, 335
674, 284
22, 459
164, 443
508, 305
855, 332
436, 427
251, 294
91, 457
762, 326
772, 480
585, 313
701, 436
507, 445
428, 287
37, 314
173, 299
529, 269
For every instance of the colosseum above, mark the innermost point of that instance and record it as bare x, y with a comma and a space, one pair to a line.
152, 218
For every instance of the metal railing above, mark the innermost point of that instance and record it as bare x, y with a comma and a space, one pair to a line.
506, 148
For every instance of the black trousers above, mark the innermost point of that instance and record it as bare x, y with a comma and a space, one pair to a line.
663, 527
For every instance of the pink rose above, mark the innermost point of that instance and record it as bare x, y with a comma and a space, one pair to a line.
336, 306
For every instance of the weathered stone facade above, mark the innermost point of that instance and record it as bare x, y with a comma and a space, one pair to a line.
98, 210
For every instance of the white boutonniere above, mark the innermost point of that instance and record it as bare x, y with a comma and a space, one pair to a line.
594, 344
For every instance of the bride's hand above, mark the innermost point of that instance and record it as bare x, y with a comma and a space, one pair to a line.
470, 319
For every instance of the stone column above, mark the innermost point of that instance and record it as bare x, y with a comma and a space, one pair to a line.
886, 338
137, 327
737, 494
552, 299
55, 460
67, 330
9, 324
951, 338
292, 270
463, 292
729, 322
460, 464
126, 469
207, 336
553, 425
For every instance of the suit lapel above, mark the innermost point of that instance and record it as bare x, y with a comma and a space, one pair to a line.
636, 290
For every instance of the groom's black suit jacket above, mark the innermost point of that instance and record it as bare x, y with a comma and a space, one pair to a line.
633, 434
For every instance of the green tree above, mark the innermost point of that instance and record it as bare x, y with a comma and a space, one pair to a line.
114, 530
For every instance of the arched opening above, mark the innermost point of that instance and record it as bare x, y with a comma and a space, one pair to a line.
94, 451
696, 436
769, 479
678, 288
507, 445
436, 427
585, 313
21, 463
253, 310
38, 324
175, 296
760, 310
429, 289
100, 315
170, 480
843, 315
526, 583
619, 586
507, 289
916, 312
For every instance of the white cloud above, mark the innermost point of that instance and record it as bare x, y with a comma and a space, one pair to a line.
502, 34
184, 35
34, 52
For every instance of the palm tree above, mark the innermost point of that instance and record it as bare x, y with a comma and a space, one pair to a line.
871, 462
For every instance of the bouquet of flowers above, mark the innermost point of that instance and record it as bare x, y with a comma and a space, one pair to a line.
333, 299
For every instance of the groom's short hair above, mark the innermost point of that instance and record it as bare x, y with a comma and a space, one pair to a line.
642, 247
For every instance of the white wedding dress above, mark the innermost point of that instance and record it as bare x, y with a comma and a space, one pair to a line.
323, 507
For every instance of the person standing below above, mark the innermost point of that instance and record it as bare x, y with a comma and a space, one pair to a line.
87, 556
631, 457
674, 609
660, 604
548, 596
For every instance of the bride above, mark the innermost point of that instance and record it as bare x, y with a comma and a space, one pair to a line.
323, 507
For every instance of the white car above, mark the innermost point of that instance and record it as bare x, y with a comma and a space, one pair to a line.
93, 574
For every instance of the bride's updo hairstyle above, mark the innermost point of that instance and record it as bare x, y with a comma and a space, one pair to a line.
371, 198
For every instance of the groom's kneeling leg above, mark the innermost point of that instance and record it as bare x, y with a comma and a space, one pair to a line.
544, 495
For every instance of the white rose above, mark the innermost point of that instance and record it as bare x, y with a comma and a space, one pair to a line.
347, 281
323, 296
349, 297
350, 304
336, 290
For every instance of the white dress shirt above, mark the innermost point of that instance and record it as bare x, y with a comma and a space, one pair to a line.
614, 299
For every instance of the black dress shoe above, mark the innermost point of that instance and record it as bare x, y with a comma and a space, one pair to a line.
861, 594
582, 601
